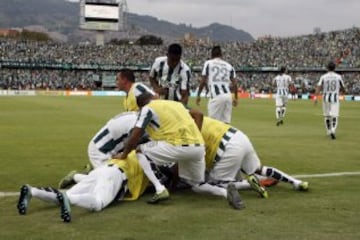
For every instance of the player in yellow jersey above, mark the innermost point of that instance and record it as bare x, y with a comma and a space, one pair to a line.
116, 181
175, 138
228, 151
125, 81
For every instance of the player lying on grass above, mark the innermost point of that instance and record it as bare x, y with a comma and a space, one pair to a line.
228, 151
114, 181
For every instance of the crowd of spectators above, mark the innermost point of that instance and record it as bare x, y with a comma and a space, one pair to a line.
299, 54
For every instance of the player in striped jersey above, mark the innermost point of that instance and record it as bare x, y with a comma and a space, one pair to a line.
282, 83
170, 76
125, 81
330, 84
175, 138
115, 181
228, 150
108, 141
218, 75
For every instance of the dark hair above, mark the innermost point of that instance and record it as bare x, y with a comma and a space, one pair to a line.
283, 69
175, 49
128, 74
331, 66
143, 99
216, 51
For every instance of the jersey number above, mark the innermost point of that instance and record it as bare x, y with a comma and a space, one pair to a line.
220, 74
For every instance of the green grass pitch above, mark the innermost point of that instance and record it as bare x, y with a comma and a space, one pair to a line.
42, 138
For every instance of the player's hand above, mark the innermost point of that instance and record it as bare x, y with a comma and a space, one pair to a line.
161, 91
119, 156
235, 102
198, 99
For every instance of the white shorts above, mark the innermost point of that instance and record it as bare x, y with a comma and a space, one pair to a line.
331, 109
239, 154
96, 157
281, 100
190, 159
98, 189
220, 107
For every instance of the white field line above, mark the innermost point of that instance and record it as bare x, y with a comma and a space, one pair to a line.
321, 175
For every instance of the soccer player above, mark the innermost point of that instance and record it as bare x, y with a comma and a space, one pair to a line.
218, 75
125, 81
330, 84
228, 151
114, 181
108, 141
282, 83
170, 76
175, 138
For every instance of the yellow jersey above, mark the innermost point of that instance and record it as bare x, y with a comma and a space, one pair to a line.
137, 181
213, 132
169, 121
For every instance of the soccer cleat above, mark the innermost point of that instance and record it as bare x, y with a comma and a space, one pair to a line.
332, 135
254, 183
68, 180
65, 210
302, 186
164, 195
24, 199
233, 197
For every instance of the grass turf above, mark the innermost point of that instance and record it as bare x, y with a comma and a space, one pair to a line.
42, 138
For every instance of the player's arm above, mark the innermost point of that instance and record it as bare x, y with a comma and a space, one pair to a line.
184, 85
154, 82
235, 88
132, 142
203, 83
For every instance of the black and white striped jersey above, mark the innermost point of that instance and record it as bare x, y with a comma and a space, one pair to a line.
219, 74
282, 82
331, 83
174, 79
111, 137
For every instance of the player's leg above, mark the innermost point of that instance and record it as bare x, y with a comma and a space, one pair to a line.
334, 110
250, 164
278, 110
227, 108
283, 177
215, 108
192, 170
157, 153
47, 194
98, 189
327, 117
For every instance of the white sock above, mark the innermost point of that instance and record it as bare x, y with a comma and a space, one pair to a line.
278, 112
145, 164
45, 194
242, 185
278, 175
212, 189
78, 177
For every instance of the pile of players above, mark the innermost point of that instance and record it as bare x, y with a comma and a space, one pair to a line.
161, 143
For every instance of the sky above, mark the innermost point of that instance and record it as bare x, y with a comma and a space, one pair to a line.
258, 17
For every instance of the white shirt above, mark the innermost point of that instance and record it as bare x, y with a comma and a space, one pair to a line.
331, 83
282, 83
219, 74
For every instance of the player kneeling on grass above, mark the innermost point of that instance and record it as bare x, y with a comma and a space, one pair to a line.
228, 151
116, 181
175, 138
